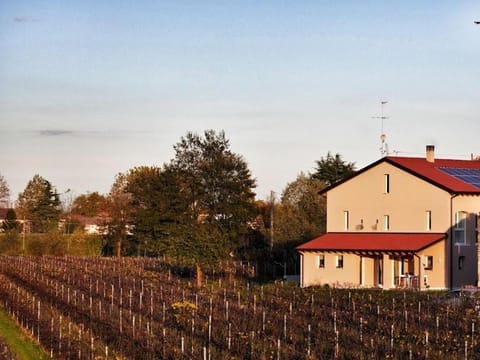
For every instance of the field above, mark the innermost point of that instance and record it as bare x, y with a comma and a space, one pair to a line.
141, 308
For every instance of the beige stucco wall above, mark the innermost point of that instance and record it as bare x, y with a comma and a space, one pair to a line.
361, 271
406, 204
348, 276
437, 277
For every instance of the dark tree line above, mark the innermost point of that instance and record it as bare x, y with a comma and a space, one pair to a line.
198, 208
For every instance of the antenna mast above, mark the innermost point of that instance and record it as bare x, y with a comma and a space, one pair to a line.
384, 151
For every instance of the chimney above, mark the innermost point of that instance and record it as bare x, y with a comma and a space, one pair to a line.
430, 153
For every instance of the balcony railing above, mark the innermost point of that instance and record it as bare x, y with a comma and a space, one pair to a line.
407, 282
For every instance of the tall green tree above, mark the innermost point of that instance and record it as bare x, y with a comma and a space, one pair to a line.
302, 212
39, 203
152, 207
214, 197
332, 169
4, 191
119, 211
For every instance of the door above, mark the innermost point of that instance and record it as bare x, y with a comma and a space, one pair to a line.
379, 271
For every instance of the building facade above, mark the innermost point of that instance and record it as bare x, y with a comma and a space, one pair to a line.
400, 222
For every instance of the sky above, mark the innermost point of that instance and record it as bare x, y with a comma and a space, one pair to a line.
89, 89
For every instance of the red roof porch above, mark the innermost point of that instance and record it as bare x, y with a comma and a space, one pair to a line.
371, 243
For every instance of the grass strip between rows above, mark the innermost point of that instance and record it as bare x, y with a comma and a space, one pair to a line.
18, 342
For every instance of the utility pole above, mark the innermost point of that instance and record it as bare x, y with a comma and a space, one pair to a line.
23, 234
272, 205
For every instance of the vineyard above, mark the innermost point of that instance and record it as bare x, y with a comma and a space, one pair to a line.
141, 308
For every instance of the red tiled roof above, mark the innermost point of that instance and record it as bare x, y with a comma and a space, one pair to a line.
3, 213
348, 241
430, 171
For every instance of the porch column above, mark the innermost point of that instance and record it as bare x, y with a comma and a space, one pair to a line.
388, 273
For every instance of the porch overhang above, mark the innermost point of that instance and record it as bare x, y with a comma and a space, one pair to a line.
371, 253
372, 244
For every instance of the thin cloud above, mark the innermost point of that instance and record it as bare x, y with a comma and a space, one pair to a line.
87, 133
24, 19
55, 132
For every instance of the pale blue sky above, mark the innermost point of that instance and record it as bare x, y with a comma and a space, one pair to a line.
92, 88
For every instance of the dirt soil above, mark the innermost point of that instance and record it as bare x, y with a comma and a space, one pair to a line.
5, 353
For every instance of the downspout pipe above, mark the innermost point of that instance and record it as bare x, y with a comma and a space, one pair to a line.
302, 270
419, 271
452, 196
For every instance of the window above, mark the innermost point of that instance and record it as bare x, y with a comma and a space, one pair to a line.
339, 261
459, 228
461, 262
428, 262
387, 183
321, 261
345, 220
386, 222
428, 219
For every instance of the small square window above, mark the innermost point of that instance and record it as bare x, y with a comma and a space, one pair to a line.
321, 261
339, 261
428, 265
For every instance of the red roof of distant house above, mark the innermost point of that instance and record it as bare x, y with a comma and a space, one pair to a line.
3, 213
430, 171
348, 241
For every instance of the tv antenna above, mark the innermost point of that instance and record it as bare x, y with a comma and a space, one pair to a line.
383, 137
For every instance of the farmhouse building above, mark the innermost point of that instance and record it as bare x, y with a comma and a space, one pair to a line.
401, 222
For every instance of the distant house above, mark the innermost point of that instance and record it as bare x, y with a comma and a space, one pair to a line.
3, 217
401, 222
92, 225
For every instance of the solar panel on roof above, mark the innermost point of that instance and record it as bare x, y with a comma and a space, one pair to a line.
469, 176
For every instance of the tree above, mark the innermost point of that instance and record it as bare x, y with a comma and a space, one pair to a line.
214, 197
299, 215
151, 208
90, 204
119, 210
302, 214
40, 204
332, 169
4, 191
